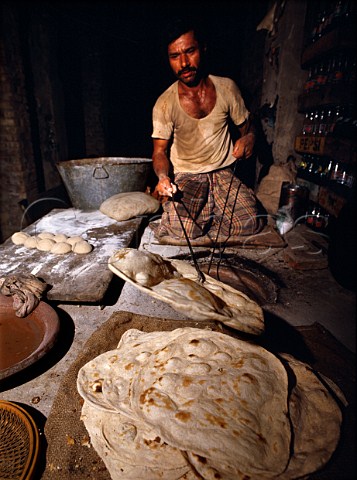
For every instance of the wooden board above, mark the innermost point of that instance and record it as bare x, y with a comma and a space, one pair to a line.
71, 277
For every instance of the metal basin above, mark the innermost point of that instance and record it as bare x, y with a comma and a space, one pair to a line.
90, 181
23, 341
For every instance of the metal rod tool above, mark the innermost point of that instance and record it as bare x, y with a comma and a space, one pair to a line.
201, 277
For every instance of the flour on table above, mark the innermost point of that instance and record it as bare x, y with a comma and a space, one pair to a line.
73, 222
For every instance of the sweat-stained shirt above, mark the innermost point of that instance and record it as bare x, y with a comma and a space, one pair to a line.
199, 145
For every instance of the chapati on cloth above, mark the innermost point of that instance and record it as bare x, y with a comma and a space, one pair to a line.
195, 403
175, 282
223, 399
122, 363
130, 449
316, 420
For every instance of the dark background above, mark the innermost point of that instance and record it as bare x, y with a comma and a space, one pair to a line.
134, 65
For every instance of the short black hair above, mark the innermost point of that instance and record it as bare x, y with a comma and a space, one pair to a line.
180, 25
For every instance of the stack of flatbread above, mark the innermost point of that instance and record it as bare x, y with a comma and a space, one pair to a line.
176, 283
199, 404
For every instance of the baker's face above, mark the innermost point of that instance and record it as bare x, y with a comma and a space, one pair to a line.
185, 58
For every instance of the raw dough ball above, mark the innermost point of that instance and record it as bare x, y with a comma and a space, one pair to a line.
73, 240
82, 247
31, 242
60, 237
19, 238
45, 244
46, 235
60, 248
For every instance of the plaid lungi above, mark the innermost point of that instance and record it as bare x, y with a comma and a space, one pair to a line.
211, 202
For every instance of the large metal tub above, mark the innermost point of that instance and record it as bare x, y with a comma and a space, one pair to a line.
90, 181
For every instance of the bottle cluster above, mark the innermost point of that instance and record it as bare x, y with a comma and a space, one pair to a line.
316, 217
339, 120
324, 170
339, 69
337, 14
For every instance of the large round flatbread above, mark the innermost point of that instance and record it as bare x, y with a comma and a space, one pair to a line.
315, 417
218, 406
221, 398
175, 282
132, 450
202, 391
126, 205
123, 364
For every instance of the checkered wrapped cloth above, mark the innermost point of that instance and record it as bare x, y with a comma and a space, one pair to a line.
205, 210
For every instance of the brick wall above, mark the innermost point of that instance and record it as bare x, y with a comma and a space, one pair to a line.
17, 167
35, 107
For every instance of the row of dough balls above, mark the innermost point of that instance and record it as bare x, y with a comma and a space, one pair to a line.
53, 243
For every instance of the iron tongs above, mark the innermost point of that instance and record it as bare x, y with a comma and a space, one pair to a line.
177, 197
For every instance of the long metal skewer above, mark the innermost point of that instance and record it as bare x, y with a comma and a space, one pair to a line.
221, 220
201, 277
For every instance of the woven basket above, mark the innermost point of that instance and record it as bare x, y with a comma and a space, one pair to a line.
19, 445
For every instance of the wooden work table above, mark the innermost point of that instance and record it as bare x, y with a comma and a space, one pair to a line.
71, 277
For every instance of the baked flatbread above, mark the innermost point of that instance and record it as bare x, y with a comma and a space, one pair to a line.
123, 363
316, 420
201, 391
131, 450
220, 398
175, 282
194, 403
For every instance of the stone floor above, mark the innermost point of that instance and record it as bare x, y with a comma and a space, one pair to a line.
303, 297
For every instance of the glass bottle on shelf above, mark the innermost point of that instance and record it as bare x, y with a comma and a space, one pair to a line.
336, 172
321, 77
316, 28
316, 217
328, 119
345, 175
338, 73
305, 126
321, 25
308, 123
322, 124
316, 123
331, 70
336, 116
310, 165
337, 14
326, 172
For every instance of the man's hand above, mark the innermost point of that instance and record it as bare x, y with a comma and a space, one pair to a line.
164, 187
243, 147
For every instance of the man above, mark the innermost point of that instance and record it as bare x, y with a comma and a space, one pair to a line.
193, 151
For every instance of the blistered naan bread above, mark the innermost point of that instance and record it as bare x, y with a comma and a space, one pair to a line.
131, 450
316, 419
175, 282
194, 403
201, 391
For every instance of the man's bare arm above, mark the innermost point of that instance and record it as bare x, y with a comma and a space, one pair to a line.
161, 165
243, 148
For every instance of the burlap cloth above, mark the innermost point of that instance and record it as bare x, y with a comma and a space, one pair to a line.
69, 454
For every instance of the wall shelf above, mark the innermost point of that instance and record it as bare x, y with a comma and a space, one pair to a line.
330, 146
341, 38
327, 95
